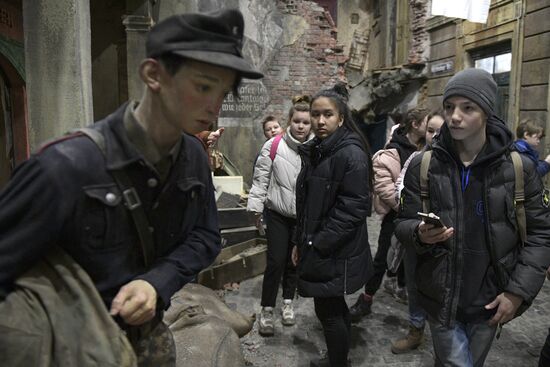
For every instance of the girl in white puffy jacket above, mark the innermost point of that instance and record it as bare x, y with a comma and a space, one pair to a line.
274, 189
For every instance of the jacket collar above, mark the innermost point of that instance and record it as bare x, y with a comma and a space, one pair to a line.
499, 140
316, 148
120, 150
292, 142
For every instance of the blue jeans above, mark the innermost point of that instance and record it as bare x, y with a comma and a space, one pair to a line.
417, 315
464, 345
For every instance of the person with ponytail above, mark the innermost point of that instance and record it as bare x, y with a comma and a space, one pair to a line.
273, 193
333, 200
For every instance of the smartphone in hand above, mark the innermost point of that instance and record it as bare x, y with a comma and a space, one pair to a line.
431, 218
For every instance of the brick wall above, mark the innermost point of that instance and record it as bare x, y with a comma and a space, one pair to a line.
420, 40
311, 63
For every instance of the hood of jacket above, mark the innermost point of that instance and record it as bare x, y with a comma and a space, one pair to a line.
523, 147
292, 142
499, 140
316, 149
401, 143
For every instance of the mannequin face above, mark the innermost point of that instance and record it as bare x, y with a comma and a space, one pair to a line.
190, 100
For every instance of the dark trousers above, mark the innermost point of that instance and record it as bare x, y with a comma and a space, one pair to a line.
334, 315
380, 263
279, 264
544, 360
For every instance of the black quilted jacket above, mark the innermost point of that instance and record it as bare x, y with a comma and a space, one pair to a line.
512, 267
333, 202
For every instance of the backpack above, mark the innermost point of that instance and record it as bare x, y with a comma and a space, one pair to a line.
519, 194
275, 146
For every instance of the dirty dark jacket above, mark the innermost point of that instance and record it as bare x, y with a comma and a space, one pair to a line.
64, 194
512, 267
332, 206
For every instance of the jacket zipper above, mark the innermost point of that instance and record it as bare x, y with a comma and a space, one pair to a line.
345, 276
457, 259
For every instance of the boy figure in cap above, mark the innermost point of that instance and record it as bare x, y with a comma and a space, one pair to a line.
67, 194
473, 274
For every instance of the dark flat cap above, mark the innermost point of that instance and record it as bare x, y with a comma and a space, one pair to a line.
215, 38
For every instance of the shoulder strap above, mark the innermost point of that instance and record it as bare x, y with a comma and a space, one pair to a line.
519, 195
424, 188
274, 146
131, 199
95, 136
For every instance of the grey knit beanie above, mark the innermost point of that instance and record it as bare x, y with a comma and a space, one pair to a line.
475, 84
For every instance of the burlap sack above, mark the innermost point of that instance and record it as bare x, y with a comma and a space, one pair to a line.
196, 294
204, 340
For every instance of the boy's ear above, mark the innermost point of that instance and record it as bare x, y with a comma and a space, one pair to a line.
150, 72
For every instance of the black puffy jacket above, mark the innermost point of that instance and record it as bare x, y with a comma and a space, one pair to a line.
513, 268
332, 203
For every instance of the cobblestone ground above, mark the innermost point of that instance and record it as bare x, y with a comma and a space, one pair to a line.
518, 345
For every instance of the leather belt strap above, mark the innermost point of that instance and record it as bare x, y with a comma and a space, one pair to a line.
131, 200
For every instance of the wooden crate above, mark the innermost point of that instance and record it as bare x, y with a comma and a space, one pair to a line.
235, 263
234, 236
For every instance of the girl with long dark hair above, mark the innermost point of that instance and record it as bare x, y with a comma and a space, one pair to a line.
333, 200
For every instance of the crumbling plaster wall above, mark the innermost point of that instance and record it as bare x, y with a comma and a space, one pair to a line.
380, 86
353, 20
419, 51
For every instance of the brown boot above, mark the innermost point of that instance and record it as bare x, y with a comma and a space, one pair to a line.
410, 342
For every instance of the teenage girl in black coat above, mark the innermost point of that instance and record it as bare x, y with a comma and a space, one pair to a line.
333, 200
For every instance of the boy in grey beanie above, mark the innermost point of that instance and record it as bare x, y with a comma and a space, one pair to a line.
476, 85
468, 275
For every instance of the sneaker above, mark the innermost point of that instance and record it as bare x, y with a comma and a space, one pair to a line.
413, 340
399, 293
266, 327
362, 307
287, 313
